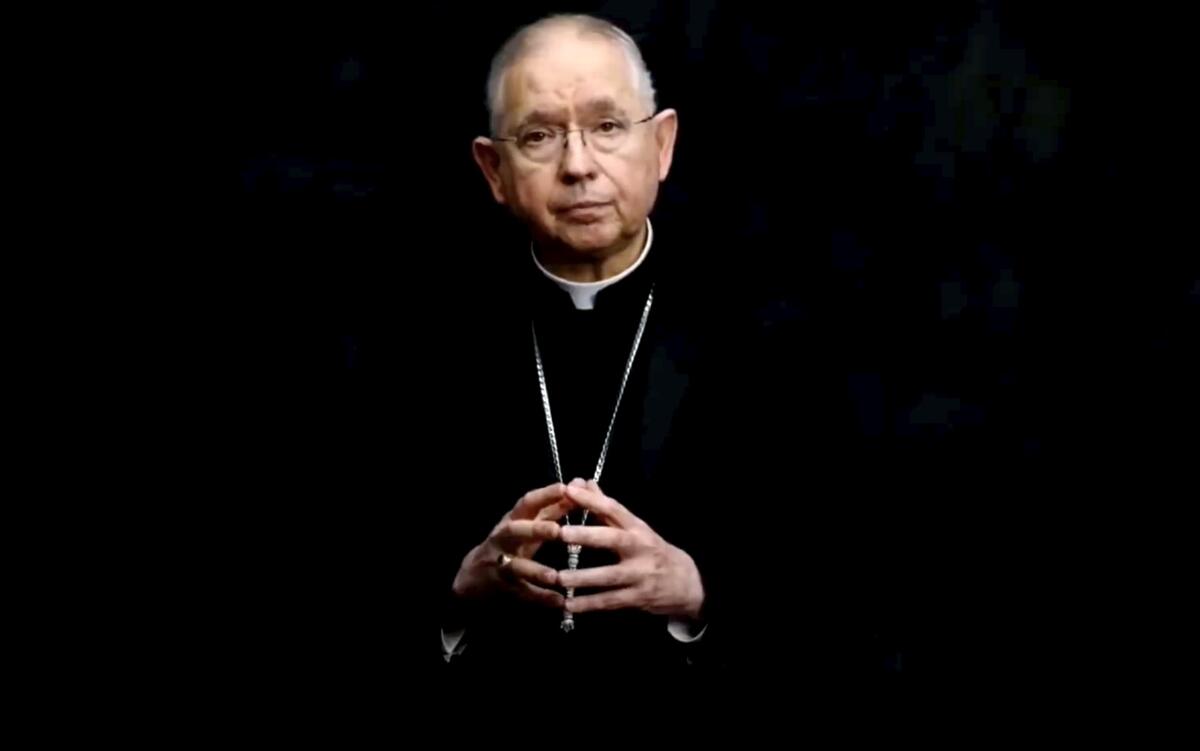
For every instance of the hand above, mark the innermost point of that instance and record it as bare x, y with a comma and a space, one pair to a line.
520, 533
653, 574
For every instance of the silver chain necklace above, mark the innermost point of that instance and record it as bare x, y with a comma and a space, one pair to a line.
573, 551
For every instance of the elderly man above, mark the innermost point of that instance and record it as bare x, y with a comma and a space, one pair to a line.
577, 152
619, 445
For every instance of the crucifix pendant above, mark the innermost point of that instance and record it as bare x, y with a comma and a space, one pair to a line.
568, 621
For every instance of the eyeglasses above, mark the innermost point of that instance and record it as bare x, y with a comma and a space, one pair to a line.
544, 143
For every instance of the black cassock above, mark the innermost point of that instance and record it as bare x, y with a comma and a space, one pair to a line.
584, 354
721, 443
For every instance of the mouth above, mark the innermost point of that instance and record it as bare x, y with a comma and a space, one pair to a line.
584, 209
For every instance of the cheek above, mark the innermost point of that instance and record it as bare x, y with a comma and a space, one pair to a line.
530, 194
640, 184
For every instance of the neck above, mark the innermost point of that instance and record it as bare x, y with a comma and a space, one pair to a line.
567, 264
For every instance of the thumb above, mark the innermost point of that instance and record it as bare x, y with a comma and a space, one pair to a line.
578, 483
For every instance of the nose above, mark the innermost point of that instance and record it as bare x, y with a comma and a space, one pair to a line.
577, 163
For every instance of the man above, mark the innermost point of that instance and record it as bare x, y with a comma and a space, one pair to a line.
624, 412
625, 438
577, 153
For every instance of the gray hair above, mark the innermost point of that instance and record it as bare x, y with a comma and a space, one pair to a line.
524, 39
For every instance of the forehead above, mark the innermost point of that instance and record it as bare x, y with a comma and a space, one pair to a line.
565, 72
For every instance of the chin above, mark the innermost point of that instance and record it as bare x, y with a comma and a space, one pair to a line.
589, 238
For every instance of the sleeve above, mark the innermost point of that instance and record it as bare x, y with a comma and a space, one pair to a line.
454, 642
686, 631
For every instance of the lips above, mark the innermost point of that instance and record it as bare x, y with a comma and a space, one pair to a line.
583, 206
585, 212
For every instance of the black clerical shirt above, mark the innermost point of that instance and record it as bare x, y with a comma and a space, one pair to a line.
585, 354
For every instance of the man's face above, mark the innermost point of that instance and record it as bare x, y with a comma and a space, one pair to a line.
583, 199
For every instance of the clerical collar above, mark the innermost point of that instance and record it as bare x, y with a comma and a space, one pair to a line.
583, 294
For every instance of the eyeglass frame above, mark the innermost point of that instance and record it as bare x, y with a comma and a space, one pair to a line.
566, 133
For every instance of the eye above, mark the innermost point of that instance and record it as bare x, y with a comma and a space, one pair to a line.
535, 137
608, 127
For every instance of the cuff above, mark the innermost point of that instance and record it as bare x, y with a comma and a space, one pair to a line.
686, 631
453, 643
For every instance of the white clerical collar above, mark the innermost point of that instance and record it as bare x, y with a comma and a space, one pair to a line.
583, 294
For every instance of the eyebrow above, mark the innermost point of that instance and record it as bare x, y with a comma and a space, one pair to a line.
602, 106
599, 106
541, 117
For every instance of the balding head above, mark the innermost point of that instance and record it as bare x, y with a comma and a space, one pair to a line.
548, 31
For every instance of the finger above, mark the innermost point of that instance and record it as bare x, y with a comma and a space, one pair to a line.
537, 595
532, 572
578, 483
524, 530
535, 500
556, 511
614, 599
603, 506
598, 537
551, 513
601, 576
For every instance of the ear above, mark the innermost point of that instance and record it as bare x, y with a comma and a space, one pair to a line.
666, 125
488, 158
